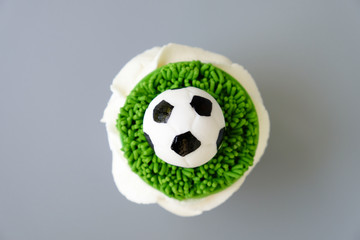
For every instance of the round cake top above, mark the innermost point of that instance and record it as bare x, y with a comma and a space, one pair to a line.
233, 158
185, 127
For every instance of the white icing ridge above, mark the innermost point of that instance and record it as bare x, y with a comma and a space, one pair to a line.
128, 182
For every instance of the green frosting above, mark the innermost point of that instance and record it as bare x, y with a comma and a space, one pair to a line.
233, 158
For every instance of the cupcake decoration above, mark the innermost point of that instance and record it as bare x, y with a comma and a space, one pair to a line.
186, 127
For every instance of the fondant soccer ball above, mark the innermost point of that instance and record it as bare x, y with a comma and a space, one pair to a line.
185, 126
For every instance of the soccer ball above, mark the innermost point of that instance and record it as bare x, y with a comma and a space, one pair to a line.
185, 127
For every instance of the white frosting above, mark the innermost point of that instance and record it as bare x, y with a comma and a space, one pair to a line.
182, 119
129, 183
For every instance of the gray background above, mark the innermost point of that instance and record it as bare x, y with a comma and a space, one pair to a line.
58, 59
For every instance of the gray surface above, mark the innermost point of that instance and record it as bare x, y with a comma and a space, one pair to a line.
58, 59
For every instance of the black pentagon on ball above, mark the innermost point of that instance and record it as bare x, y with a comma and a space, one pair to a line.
162, 112
220, 137
201, 105
148, 139
185, 143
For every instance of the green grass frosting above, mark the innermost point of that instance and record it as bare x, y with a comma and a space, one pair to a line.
233, 158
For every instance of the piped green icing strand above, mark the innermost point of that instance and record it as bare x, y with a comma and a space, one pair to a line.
236, 153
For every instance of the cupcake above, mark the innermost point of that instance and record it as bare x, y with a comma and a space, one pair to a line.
185, 126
